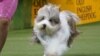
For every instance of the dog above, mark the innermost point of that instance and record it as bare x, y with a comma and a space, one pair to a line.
55, 29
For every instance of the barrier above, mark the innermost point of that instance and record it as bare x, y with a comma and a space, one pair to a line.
87, 10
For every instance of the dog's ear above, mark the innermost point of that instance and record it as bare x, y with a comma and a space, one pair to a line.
73, 29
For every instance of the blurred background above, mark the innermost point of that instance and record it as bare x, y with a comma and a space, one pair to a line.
19, 41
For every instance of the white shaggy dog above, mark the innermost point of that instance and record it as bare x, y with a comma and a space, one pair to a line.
54, 29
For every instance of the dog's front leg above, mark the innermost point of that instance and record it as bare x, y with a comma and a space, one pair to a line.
43, 42
37, 36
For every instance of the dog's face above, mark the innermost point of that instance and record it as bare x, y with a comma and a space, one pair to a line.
48, 20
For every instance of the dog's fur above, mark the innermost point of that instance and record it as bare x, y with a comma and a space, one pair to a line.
55, 29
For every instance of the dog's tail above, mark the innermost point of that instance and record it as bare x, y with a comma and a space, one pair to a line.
72, 20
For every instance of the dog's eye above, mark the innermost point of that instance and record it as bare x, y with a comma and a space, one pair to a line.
54, 21
51, 20
41, 18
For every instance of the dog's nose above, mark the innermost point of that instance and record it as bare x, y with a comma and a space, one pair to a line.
44, 26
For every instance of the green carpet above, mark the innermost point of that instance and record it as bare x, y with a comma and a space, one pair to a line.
86, 44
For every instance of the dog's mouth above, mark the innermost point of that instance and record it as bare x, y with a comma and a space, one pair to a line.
43, 27
48, 31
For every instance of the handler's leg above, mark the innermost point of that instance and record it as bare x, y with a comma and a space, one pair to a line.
3, 32
7, 10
